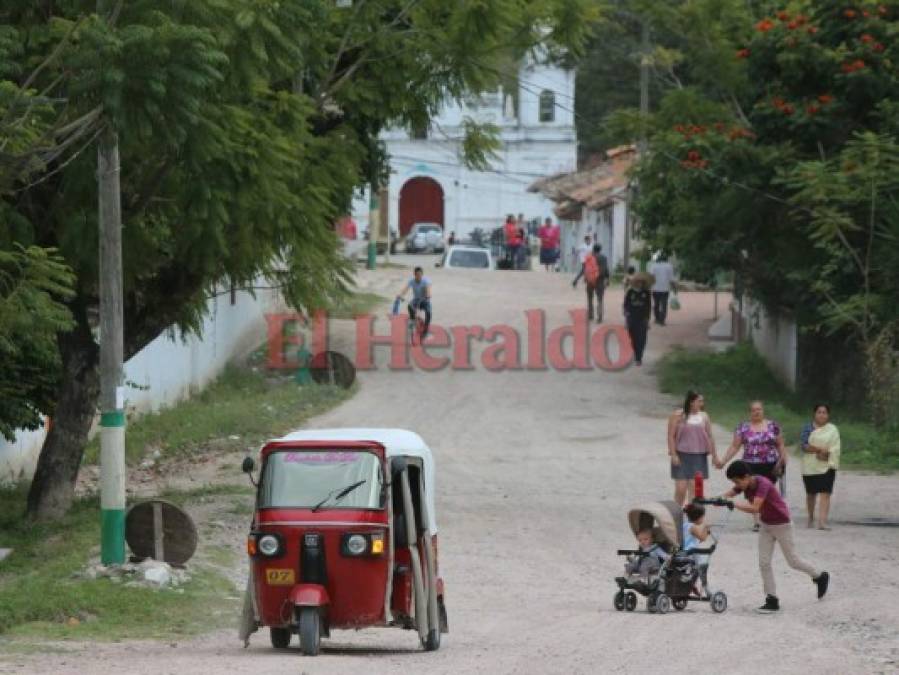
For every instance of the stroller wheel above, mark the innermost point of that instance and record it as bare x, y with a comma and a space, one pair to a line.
619, 601
680, 604
663, 604
651, 602
718, 602
630, 601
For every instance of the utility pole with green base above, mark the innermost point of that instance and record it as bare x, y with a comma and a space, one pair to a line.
112, 394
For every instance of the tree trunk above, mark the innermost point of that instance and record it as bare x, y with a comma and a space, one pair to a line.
53, 486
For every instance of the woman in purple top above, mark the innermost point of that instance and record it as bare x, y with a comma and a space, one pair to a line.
763, 446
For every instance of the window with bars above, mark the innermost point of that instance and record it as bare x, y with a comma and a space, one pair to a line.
547, 106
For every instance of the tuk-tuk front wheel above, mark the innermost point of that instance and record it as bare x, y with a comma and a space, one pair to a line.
432, 642
280, 637
310, 630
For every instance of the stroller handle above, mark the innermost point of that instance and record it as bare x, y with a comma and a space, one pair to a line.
718, 501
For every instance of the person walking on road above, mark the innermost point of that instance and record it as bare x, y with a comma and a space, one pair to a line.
664, 284
549, 244
637, 307
766, 503
820, 445
596, 278
583, 251
513, 240
690, 442
762, 443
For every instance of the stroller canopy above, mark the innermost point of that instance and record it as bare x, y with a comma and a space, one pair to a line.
664, 518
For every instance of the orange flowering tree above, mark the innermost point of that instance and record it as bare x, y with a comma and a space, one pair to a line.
770, 173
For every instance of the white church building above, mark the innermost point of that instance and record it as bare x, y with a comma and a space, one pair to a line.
429, 183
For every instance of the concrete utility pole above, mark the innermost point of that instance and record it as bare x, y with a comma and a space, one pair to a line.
645, 48
374, 229
112, 403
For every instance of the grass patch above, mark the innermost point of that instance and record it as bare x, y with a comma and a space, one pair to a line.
242, 403
39, 596
356, 304
730, 379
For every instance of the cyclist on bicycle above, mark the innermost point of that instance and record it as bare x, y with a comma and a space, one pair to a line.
421, 297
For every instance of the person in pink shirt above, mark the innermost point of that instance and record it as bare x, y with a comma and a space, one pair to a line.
765, 500
549, 244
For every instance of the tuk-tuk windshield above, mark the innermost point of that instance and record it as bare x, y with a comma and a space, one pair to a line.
326, 479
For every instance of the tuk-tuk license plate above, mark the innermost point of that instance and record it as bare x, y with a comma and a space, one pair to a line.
276, 577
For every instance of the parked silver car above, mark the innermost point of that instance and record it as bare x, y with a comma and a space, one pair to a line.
425, 237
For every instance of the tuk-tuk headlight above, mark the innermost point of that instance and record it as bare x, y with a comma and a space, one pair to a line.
356, 544
268, 544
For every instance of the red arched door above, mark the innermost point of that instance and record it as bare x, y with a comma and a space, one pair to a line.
421, 201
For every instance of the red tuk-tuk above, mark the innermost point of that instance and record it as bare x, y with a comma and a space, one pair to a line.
344, 536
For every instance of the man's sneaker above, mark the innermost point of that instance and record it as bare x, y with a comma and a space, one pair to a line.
821, 581
772, 604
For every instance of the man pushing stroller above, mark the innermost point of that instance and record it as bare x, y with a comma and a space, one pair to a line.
774, 514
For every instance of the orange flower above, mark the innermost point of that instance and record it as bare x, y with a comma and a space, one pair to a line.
866, 13
850, 13
743, 53
812, 30
778, 102
801, 19
788, 109
693, 156
764, 25
866, 38
825, 98
679, 128
783, 16
882, 10
878, 47
793, 25
812, 109
858, 64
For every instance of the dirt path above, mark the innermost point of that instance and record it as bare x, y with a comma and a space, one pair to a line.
536, 471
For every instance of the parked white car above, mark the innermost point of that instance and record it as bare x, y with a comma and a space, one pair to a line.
467, 257
424, 237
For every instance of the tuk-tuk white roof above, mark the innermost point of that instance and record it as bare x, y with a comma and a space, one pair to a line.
396, 442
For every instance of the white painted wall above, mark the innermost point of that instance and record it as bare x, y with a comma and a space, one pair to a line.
775, 338
170, 369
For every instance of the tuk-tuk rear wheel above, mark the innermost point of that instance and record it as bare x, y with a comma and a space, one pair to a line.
280, 637
310, 631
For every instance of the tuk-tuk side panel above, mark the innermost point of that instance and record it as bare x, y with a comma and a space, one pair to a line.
401, 598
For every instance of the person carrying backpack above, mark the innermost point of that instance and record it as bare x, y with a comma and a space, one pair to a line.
596, 278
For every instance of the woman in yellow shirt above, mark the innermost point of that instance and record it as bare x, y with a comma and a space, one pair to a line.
820, 461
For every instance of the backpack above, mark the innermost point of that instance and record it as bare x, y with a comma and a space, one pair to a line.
591, 270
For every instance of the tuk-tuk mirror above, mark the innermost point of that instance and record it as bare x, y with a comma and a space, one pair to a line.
248, 465
398, 465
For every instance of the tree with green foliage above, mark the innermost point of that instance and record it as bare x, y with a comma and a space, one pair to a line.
770, 154
244, 128
34, 284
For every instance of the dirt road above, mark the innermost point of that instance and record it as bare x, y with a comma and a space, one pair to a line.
536, 471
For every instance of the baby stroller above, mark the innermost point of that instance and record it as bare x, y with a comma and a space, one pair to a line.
680, 579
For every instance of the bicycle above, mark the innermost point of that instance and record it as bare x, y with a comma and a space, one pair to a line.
416, 324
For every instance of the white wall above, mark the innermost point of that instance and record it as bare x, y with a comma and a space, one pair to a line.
775, 338
170, 369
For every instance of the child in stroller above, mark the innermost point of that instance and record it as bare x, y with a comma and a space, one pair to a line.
676, 582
